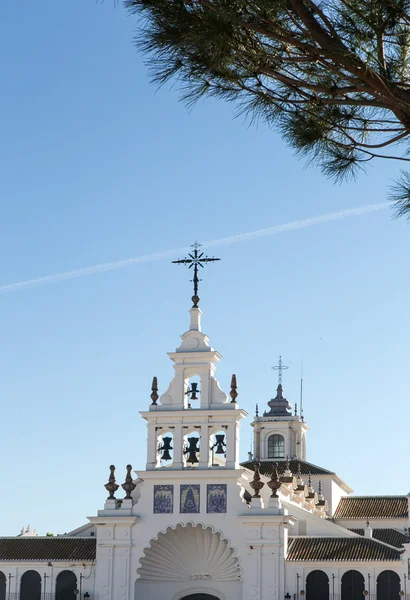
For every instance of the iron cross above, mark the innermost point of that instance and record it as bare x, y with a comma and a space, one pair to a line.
195, 259
280, 367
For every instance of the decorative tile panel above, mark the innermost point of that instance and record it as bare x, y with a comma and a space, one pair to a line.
190, 498
163, 499
216, 498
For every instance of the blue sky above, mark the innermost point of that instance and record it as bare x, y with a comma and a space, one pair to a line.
97, 166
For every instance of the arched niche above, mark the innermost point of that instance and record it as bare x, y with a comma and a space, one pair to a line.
66, 586
189, 553
317, 586
352, 585
388, 586
3, 581
30, 586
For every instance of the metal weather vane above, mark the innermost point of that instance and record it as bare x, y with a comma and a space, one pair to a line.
195, 259
280, 367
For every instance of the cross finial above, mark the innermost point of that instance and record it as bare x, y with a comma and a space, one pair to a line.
195, 259
280, 367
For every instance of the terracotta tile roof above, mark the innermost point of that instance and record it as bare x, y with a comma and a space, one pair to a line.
47, 548
305, 467
372, 507
387, 536
303, 549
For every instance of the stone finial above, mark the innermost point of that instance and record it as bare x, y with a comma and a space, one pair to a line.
274, 483
111, 486
129, 486
257, 411
320, 497
233, 393
154, 389
256, 483
287, 476
300, 484
310, 490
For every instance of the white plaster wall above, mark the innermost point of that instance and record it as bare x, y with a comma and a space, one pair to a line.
337, 570
16, 570
149, 525
177, 590
399, 524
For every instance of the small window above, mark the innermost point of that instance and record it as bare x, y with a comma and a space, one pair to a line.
276, 446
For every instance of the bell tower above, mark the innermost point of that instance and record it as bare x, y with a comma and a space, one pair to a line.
194, 424
278, 433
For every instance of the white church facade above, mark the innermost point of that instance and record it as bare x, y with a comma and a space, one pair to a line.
197, 524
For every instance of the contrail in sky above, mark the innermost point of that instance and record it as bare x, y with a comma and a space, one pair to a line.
233, 239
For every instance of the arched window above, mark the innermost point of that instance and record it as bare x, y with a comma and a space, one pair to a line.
30, 587
388, 586
66, 586
2, 586
352, 585
317, 586
276, 446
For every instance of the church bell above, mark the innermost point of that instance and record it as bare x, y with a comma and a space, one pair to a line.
165, 448
220, 444
192, 450
193, 392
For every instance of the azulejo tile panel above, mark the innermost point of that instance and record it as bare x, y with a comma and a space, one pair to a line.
190, 498
216, 498
163, 499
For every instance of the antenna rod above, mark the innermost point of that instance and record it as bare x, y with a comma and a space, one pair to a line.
301, 390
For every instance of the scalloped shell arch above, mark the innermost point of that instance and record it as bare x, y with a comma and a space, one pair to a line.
189, 553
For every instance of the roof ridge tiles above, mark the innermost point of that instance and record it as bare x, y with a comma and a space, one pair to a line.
376, 496
342, 549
